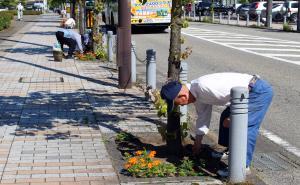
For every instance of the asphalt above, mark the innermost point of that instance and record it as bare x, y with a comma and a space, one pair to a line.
282, 118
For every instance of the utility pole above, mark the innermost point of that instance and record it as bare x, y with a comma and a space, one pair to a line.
269, 14
124, 44
298, 19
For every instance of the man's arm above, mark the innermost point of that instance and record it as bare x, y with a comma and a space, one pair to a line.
202, 124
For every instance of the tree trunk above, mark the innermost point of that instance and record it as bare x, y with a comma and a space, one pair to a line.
173, 127
81, 16
96, 23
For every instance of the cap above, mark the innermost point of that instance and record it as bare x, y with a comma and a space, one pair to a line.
169, 92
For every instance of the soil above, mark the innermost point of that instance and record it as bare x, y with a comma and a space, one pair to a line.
205, 164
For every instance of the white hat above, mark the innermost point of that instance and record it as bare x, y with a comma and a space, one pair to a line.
70, 23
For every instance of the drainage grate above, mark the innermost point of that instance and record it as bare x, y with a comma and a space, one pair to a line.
41, 80
273, 161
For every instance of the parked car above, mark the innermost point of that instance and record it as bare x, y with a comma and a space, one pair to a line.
290, 9
276, 12
243, 10
3, 8
256, 8
205, 8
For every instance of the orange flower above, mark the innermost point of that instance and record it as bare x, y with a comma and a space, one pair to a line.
150, 165
143, 165
126, 166
152, 154
138, 153
156, 162
132, 160
142, 160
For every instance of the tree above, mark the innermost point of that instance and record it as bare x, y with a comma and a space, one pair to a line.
81, 16
173, 125
9, 3
98, 8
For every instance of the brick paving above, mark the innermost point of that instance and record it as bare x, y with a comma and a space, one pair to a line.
53, 114
49, 133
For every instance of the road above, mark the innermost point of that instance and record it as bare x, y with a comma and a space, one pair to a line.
274, 55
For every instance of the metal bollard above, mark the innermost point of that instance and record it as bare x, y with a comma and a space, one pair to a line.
258, 20
270, 18
220, 18
228, 18
213, 17
151, 68
238, 134
110, 46
284, 19
183, 76
237, 19
133, 62
247, 21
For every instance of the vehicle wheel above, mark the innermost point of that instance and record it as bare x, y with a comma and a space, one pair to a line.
293, 18
253, 17
206, 13
278, 17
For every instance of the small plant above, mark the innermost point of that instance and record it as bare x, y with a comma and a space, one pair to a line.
101, 53
160, 104
186, 168
123, 136
185, 23
207, 20
143, 164
287, 27
187, 52
86, 56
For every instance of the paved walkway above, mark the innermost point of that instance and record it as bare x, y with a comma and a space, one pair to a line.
53, 114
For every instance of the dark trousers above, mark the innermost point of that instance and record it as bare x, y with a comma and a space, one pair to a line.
260, 97
67, 41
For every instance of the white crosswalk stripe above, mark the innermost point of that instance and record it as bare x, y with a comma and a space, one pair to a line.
278, 49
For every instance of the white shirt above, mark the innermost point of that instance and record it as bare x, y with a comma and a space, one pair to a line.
214, 89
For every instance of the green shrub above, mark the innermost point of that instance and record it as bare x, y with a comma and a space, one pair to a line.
287, 27
207, 19
5, 19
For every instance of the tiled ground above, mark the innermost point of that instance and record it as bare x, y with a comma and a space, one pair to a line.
52, 114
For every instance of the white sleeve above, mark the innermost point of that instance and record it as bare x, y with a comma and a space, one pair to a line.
203, 121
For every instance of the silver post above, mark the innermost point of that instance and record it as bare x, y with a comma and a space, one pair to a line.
183, 78
220, 17
238, 134
284, 19
237, 19
133, 62
151, 69
270, 21
213, 17
258, 20
228, 18
247, 21
110, 46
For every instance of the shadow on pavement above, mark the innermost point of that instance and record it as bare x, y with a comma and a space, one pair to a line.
40, 33
62, 72
17, 41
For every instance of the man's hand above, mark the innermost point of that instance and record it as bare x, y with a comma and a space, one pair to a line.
226, 122
197, 144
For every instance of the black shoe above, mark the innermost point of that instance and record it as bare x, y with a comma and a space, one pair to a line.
68, 57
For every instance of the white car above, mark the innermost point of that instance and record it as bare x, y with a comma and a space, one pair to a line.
256, 8
3, 9
290, 9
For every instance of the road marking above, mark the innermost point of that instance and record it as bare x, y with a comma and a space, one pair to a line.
281, 142
272, 49
198, 33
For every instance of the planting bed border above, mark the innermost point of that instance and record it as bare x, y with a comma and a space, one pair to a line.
118, 164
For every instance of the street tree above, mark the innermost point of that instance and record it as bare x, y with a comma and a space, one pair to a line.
81, 20
9, 3
174, 61
98, 8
